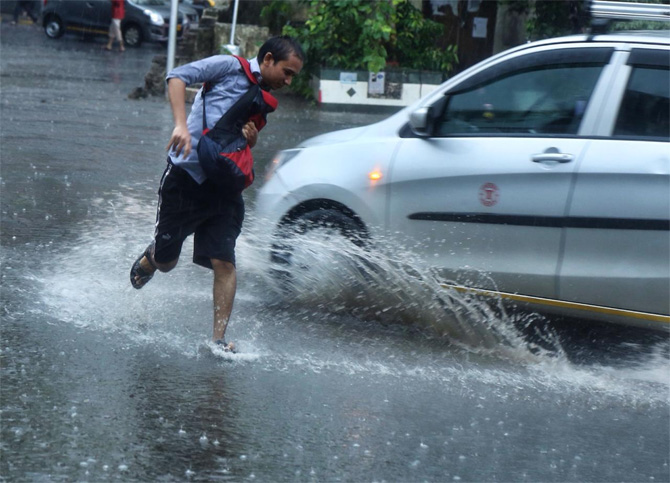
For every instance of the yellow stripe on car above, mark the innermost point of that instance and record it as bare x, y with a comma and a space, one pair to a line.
561, 303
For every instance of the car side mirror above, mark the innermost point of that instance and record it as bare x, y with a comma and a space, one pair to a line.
423, 120
419, 121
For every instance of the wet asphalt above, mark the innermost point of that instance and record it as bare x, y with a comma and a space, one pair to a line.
99, 382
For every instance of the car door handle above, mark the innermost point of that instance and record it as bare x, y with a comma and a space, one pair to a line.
552, 155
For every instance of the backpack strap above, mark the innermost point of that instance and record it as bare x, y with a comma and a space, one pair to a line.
269, 99
247, 69
229, 126
205, 87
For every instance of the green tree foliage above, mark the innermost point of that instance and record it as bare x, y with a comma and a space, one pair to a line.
276, 14
414, 43
349, 34
365, 35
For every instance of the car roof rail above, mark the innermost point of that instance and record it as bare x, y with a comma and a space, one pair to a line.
603, 12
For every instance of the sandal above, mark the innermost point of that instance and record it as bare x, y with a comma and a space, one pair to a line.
138, 271
227, 347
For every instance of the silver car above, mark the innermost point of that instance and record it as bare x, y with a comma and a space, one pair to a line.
539, 176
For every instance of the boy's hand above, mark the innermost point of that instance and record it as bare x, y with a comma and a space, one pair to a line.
180, 141
250, 133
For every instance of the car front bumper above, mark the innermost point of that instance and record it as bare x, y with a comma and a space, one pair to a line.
162, 33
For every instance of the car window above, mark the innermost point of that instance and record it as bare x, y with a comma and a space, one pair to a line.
151, 3
645, 108
542, 100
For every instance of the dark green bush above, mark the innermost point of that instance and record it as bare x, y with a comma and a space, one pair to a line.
366, 35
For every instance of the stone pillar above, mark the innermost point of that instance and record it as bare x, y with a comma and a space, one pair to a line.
510, 29
248, 37
202, 42
154, 80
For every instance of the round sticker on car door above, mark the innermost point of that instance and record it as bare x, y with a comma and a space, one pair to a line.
489, 194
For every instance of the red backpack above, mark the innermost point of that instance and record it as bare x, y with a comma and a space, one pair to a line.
223, 152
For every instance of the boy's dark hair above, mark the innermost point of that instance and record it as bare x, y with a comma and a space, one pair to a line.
281, 47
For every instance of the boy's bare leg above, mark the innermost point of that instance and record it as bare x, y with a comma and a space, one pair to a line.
225, 286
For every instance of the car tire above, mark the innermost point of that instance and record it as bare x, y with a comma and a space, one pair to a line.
53, 27
132, 35
293, 232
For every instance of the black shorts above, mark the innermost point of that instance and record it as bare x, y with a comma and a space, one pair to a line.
186, 207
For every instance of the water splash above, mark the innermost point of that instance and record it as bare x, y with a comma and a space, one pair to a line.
378, 283
462, 340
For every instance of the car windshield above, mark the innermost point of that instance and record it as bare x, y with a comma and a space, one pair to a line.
149, 3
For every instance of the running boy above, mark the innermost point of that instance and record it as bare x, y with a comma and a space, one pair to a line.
188, 202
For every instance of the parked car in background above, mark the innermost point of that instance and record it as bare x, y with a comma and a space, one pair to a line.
540, 176
188, 9
145, 20
198, 5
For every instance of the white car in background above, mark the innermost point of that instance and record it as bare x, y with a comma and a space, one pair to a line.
546, 167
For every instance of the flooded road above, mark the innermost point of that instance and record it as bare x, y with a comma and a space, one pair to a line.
100, 382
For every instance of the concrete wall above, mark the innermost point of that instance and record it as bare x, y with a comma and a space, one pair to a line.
334, 92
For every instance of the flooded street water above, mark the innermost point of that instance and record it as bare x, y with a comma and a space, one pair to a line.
343, 382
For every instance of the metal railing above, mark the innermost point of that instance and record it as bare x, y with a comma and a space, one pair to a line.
601, 9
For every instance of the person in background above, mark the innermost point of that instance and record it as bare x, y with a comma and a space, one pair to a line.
118, 12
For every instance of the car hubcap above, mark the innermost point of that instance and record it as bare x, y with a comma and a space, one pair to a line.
132, 36
52, 29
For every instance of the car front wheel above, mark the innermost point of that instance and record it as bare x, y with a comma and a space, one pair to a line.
53, 27
132, 35
314, 245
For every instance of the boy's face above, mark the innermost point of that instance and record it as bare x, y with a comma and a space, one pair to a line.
279, 74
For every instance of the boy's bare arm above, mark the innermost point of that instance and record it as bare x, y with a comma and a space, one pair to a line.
181, 138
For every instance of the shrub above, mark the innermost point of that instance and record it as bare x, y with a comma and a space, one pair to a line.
366, 35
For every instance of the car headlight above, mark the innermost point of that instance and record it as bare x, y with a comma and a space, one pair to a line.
280, 159
156, 18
